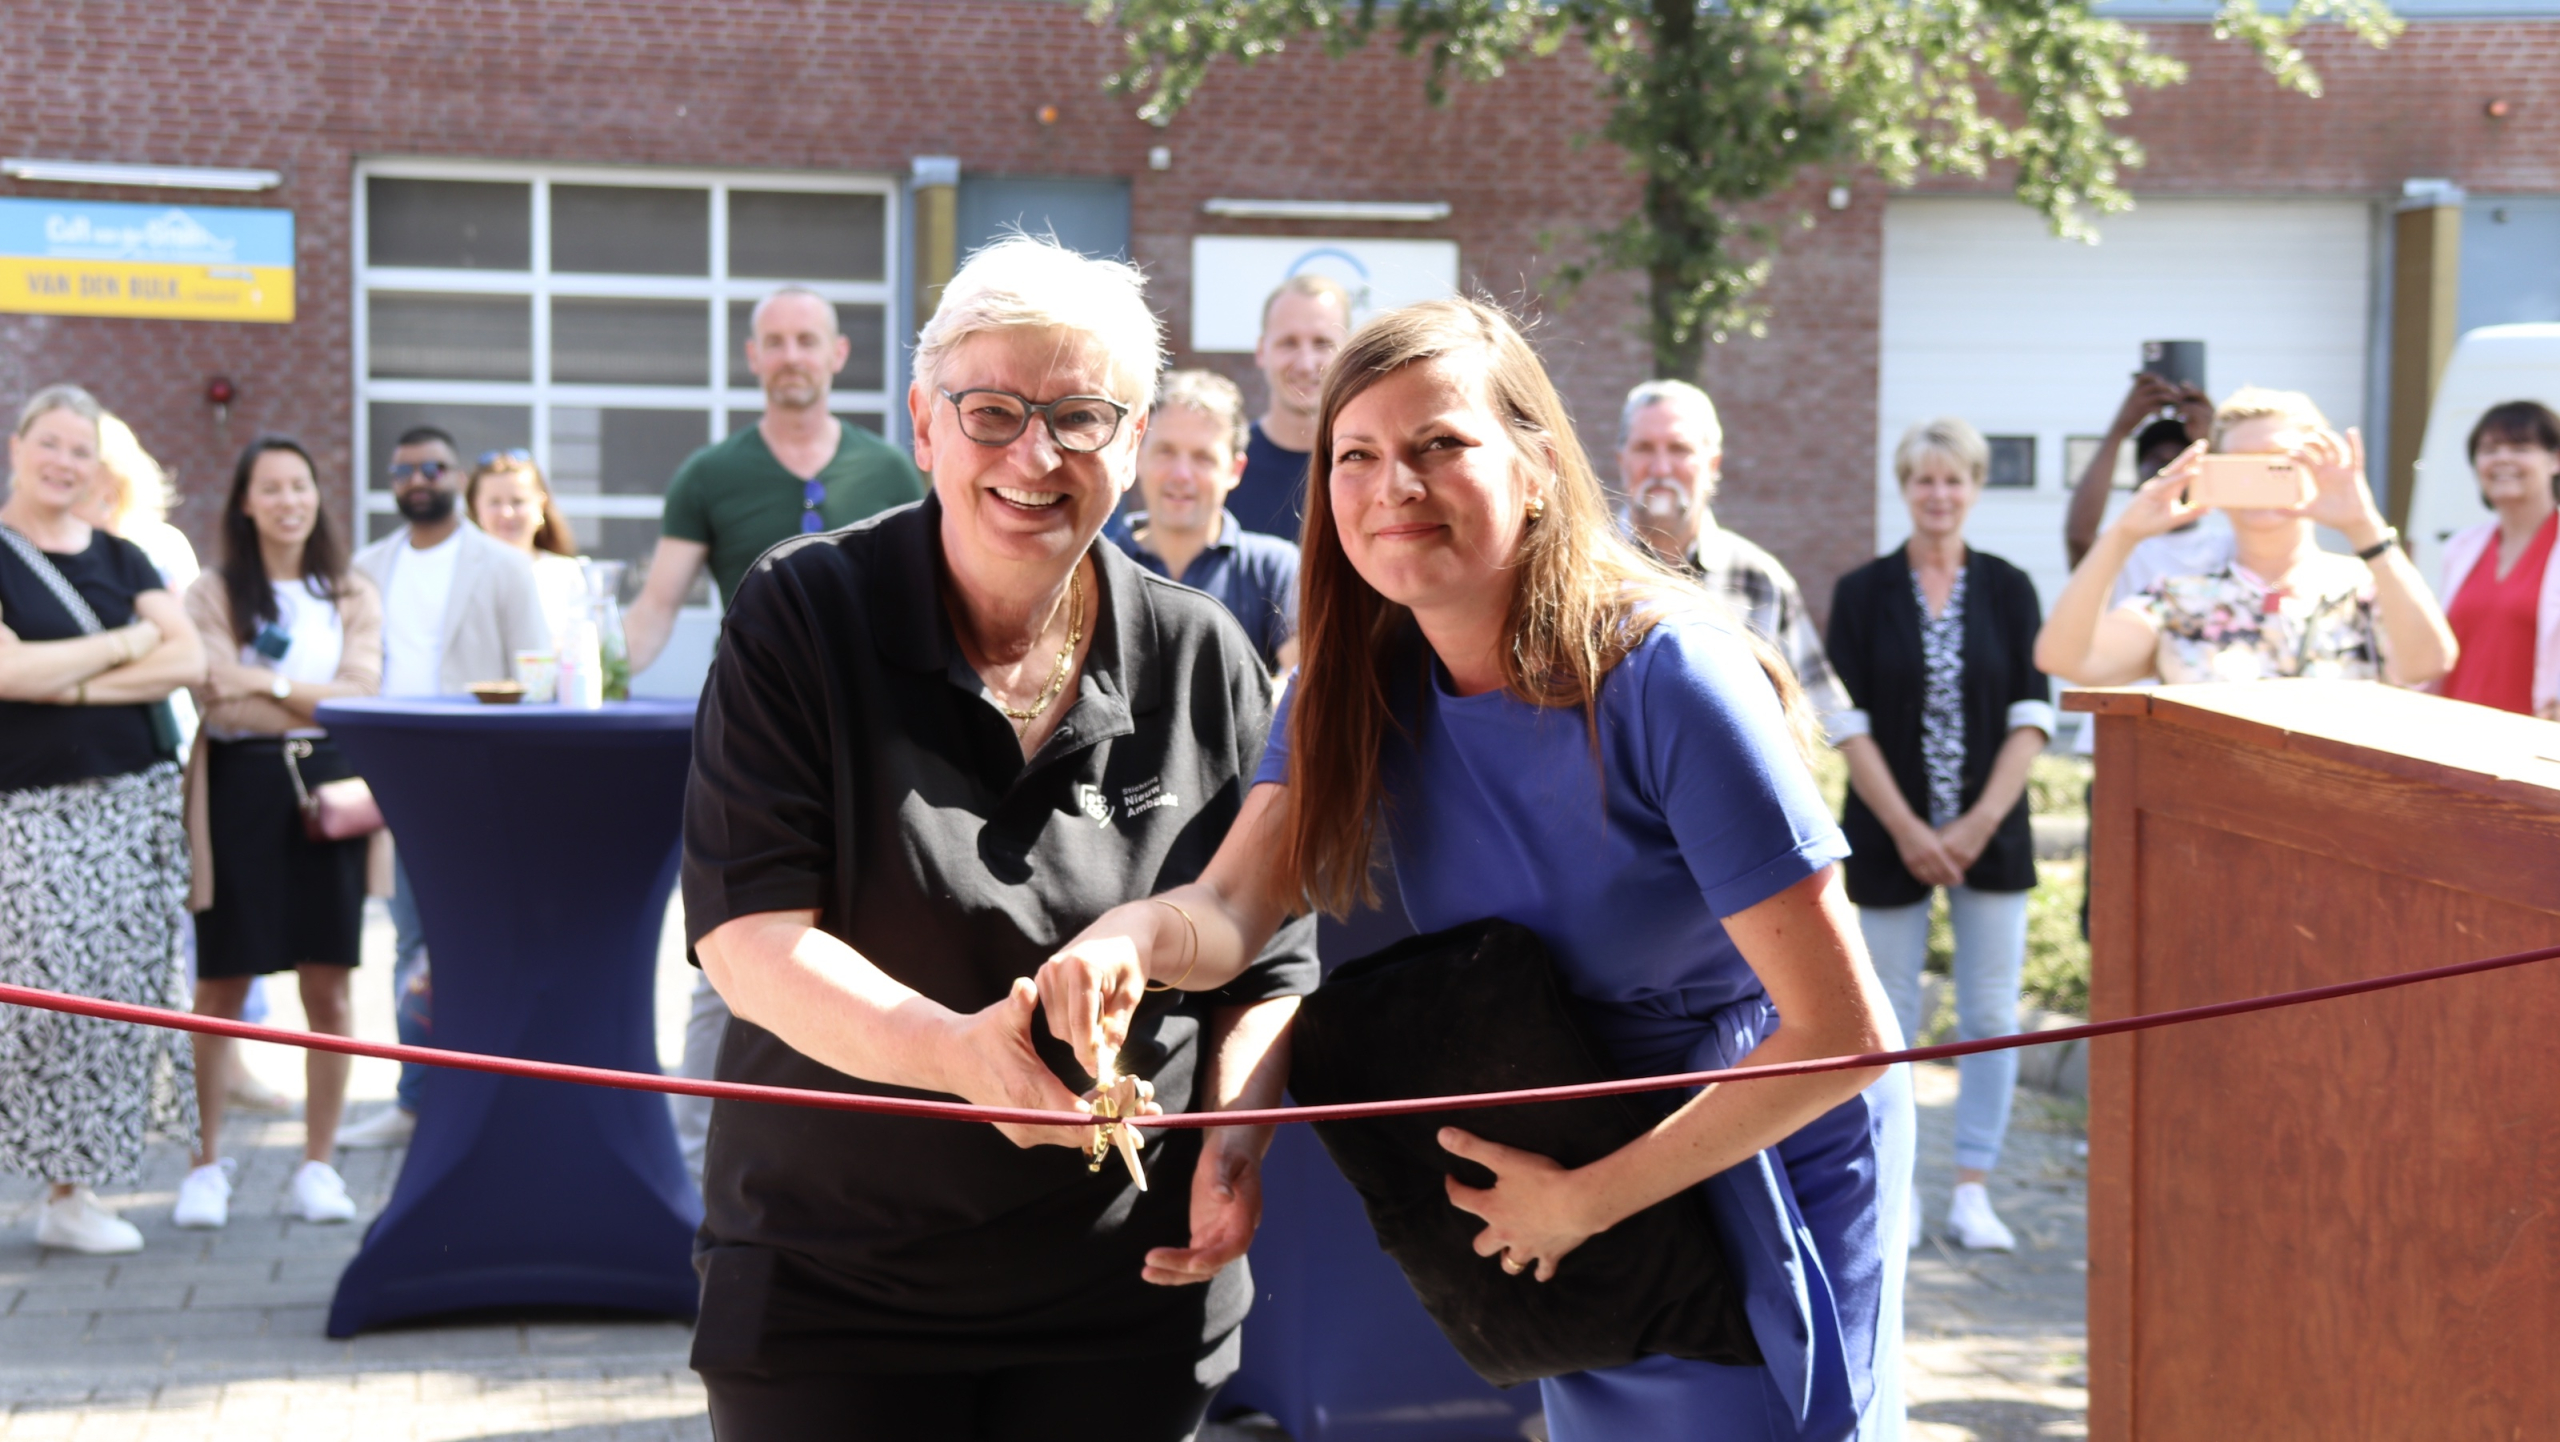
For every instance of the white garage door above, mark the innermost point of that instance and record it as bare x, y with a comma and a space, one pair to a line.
1988, 317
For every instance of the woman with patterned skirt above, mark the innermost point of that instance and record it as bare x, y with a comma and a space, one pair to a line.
93, 854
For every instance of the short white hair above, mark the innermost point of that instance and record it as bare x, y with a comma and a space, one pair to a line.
1951, 438
1032, 282
1679, 394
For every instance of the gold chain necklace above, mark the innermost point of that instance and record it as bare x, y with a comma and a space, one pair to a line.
1022, 718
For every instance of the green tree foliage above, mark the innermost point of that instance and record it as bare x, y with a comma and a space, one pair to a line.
1723, 104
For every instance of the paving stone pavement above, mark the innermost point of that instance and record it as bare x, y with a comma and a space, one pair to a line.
1996, 1345
218, 1335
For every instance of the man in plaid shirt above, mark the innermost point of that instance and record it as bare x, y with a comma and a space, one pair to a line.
1669, 445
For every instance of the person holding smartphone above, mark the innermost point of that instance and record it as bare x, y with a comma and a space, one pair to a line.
2282, 607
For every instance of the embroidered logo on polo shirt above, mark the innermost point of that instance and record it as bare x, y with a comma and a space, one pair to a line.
1090, 801
1146, 796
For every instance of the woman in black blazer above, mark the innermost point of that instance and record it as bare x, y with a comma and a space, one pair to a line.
1936, 645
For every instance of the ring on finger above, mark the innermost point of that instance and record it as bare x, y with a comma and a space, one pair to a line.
1511, 1264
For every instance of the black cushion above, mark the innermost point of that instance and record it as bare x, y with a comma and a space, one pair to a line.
1478, 1008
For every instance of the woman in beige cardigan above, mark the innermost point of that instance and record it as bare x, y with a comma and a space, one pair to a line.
287, 624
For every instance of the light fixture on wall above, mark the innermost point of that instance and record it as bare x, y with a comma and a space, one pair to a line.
2498, 109
166, 177
1390, 210
219, 393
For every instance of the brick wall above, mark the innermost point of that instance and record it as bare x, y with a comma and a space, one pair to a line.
307, 87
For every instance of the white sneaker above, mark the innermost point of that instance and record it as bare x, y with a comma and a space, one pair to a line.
389, 1127
320, 1194
1919, 1225
77, 1223
1975, 1225
204, 1198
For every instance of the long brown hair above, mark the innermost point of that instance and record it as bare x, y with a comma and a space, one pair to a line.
1585, 596
244, 566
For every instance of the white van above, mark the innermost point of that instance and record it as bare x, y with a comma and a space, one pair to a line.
2492, 364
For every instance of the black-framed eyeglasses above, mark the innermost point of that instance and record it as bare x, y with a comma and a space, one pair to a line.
516, 455
1076, 423
428, 471
812, 495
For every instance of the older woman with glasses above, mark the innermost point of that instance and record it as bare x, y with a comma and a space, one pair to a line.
935, 745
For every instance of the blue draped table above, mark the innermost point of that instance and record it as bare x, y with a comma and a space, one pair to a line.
542, 844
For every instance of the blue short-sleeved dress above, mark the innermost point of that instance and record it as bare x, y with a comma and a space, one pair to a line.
1695, 808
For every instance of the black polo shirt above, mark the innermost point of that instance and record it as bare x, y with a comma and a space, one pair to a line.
847, 759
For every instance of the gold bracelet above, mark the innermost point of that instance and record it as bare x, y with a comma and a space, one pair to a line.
1194, 929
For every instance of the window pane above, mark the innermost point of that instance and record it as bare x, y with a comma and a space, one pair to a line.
449, 224
631, 342
621, 452
871, 421
2013, 462
630, 229
2078, 451
476, 430
865, 327
799, 235
415, 335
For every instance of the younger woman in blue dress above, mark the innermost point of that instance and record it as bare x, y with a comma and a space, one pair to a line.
1545, 726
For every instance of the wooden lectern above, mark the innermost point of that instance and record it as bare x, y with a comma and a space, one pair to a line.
2340, 1220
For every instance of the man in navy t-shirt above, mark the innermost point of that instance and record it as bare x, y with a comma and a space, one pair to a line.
1187, 469
1303, 323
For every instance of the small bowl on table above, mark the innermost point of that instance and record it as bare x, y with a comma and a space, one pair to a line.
497, 693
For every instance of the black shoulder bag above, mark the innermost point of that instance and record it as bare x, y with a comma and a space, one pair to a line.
1478, 1008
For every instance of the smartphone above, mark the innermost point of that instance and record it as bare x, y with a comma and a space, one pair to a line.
2179, 362
272, 641
2236, 483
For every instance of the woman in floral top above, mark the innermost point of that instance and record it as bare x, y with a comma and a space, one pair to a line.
2283, 607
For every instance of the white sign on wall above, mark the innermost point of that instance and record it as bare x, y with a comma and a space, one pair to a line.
1232, 275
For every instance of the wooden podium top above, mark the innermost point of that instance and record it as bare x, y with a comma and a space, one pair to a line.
2361, 723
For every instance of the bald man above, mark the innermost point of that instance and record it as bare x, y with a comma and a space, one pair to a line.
797, 468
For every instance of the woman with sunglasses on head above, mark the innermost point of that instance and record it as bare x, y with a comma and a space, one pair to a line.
1546, 727
287, 624
934, 744
508, 498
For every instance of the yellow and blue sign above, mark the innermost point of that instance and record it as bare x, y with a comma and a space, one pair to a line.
166, 262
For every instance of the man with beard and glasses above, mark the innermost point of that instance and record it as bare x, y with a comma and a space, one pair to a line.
1670, 450
457, 607
798, 469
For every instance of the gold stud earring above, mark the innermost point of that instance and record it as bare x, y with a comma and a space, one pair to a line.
1537, 508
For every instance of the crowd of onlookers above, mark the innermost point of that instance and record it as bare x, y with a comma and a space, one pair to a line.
159, 741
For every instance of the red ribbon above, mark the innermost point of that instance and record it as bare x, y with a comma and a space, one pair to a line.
968, 1112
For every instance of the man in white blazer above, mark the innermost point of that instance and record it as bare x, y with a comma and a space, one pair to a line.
457, 607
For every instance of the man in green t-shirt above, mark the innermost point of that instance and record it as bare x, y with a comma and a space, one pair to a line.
796, 469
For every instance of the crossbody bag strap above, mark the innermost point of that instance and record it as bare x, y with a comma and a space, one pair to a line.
30, 555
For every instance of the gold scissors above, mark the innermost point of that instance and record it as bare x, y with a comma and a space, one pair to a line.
1114, 1097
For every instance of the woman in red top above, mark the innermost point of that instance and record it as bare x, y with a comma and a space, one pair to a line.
2503, 592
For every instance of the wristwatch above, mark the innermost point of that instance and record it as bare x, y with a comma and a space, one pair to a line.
282, 690
2390, 538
